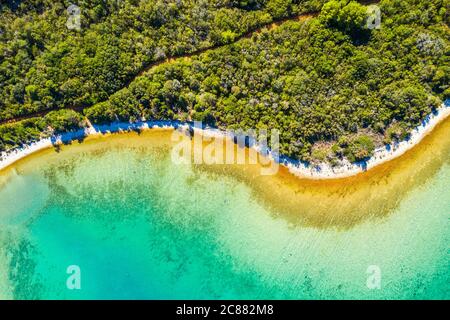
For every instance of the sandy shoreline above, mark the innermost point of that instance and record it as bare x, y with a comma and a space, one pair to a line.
300, 169
381, 155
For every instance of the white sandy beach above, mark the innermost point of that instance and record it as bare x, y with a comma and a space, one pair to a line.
322, 171
381, 155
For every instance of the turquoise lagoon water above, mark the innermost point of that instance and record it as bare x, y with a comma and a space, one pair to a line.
140, 227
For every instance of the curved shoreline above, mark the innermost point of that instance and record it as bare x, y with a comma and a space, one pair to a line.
300, 169
381, 155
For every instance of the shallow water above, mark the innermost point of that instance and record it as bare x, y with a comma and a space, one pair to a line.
139, 226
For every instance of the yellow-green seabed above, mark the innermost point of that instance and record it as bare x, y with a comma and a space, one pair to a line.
140, 226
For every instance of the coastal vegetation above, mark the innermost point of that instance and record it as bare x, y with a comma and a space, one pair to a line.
46, 65
333, 87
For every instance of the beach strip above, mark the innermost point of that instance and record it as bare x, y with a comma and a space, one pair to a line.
298, 168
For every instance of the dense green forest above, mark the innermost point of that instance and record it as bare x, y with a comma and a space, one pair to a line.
44, 65
333, 87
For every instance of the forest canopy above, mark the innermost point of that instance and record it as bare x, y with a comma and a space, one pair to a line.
45, 65
332, 86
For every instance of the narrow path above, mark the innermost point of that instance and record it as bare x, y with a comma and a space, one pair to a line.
270, 26
168, 60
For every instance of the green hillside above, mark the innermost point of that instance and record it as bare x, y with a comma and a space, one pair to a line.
333, 87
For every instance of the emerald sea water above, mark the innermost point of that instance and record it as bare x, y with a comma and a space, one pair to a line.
140, 227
